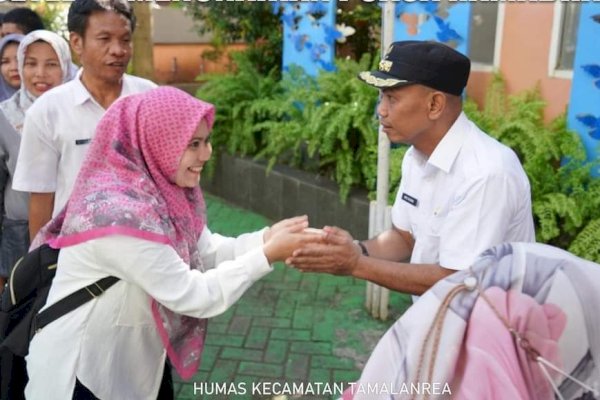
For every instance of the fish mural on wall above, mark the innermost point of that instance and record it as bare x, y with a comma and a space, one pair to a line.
433, 20
590, 121
310, 35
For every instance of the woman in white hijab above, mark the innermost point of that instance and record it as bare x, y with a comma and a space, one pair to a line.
44, 61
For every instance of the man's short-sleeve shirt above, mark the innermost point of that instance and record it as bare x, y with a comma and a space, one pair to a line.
57, 132
470, 194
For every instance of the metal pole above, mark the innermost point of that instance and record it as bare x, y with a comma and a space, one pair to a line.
383, 148
378, 301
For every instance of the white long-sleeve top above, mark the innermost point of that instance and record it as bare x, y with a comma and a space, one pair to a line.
110, 343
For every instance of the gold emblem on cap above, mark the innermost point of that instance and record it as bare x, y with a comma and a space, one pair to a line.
379, 82
385, 65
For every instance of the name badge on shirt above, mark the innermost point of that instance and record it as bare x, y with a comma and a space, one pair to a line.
82, 141
409, 199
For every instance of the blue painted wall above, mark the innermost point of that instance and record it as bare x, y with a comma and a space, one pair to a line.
309, 35
584, 105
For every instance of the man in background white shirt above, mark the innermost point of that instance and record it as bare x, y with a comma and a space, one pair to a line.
60, 125
461, 191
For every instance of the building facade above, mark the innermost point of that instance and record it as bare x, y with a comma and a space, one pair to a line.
551, 44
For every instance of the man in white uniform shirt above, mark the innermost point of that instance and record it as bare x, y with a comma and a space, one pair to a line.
60, 124
461, 191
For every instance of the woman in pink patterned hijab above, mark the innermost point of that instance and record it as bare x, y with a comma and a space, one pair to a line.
137, 213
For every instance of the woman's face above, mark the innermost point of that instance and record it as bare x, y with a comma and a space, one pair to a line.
41, 68
8, 65
194, 157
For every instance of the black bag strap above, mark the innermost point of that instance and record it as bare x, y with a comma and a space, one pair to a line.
71, 302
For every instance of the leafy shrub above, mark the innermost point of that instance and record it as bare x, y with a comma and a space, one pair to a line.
239, 99
565, 197
333, 119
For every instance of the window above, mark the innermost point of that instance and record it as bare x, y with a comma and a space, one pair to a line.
568, 38
564, 39
482, 35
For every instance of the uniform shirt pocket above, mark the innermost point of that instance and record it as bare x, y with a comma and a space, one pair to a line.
427, 243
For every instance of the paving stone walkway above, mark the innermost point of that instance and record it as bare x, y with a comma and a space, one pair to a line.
311, 330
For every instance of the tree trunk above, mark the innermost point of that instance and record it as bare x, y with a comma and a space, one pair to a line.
143, 56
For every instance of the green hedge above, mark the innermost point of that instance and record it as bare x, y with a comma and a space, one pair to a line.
328, 126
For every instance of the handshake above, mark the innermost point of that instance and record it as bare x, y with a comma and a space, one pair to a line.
330, 250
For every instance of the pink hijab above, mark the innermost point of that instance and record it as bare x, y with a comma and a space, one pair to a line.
126, 187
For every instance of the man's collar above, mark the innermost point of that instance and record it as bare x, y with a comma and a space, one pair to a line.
447, 150
82, 95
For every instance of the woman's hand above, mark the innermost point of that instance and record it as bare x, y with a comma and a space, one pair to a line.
294, 224
286, 236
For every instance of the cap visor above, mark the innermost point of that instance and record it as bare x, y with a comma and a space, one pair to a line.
381, 80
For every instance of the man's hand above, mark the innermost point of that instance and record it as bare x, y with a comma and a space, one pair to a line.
336, 254
41, 206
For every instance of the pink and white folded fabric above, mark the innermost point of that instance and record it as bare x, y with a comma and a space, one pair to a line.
521, 323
